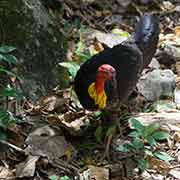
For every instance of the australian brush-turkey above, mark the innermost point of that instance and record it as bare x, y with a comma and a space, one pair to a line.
107, 79
111, 75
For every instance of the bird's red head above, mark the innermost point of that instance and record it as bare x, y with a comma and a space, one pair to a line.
96, 90
106, 72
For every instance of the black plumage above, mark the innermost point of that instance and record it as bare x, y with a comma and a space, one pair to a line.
128, 58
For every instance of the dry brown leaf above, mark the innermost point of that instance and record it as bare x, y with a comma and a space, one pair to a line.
173, 127
170, 143
167, 5
49, 103
158, 165
177, 31
98, 46
15, 134
95, 173
175, 173
5, 173
176, 136
75, 123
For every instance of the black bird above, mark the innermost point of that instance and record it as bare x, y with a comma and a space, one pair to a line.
111, 75
106, 80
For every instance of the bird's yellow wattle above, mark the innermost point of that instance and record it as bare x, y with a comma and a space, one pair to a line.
99, 98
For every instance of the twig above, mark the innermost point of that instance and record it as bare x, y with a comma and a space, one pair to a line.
12, 146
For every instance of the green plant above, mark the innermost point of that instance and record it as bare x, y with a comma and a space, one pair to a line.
159, 106
82, 52
6, 60
145, 138
55, 177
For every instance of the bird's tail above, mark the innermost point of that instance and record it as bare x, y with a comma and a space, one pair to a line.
146, 36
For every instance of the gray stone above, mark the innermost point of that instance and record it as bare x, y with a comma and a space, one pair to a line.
156, 84
177, 96
109, 39
168, 54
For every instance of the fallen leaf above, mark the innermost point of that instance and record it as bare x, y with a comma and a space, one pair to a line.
158, 165
27, 168
175, 173
5, 173
95, 173
177, 31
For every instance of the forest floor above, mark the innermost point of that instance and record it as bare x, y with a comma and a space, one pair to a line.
60, 140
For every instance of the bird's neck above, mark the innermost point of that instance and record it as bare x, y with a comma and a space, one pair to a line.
97, 93
99, 84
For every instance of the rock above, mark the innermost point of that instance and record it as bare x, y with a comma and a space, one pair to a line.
168, 54
177, 96
40, 45
154, 64
172, 51
157, 84
107, 39
123, 3
48, 142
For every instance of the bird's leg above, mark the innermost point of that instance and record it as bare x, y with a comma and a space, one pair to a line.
107, 148
123, 110
110, 134
116, 115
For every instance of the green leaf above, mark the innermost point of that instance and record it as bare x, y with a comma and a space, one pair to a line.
7, 72
1, 57
124, 148
163, 156
99, 134
77, 23
4, 119
7, 118
148, 153
71, 66
6, 49
151, 141
3, 135
9, 58
137, 126
138, 143
81, 51
160, 135
84, 55
134, 134
65, 178
120, 32
160, 106
53, 177
148, 130
143, 164
8, 92
97, 114
80, 47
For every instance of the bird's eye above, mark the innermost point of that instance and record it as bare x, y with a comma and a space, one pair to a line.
106, 72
